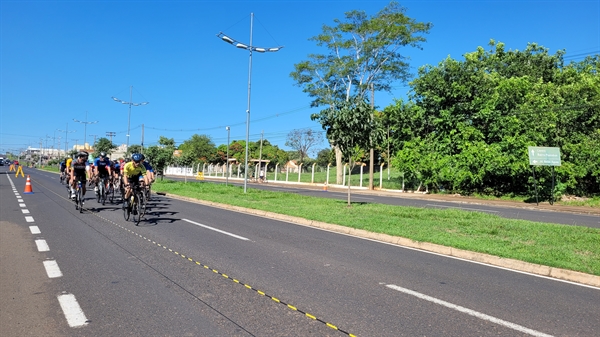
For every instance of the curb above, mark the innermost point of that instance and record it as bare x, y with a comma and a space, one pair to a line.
552, 272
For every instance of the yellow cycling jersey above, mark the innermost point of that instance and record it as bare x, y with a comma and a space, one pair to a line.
130, 170
69, 161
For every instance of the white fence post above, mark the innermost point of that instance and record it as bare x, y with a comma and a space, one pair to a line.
276, 165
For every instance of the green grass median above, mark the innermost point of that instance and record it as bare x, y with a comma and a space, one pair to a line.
570, 247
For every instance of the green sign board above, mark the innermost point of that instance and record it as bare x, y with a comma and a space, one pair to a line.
544, 156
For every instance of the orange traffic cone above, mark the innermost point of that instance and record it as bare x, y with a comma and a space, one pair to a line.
28, 189
325, 187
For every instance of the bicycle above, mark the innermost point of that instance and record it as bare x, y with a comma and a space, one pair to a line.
63, 176
102, 186
78, 196
113, 186
137, 204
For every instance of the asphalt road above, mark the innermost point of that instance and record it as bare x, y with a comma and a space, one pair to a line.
193, 270
572, 217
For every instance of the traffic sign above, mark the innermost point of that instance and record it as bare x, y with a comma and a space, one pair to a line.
544, 156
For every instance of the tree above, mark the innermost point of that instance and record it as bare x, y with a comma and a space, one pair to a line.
302, 140
325, 157
469, 122
134, 148
160, 156
199, 147
363, 53
352, 128
103, 145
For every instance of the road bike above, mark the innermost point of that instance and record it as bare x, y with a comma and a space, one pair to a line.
113, 186
136, 207
102, 190
78, 196
63, 177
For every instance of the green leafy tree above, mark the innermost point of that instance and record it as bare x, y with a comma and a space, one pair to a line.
134, 148
468, 124
325, 157
103, 145
200, 148
161, 156
352, 128
362, 53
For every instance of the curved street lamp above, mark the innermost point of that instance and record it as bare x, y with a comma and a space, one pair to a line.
130, 103
249, 48
85, 123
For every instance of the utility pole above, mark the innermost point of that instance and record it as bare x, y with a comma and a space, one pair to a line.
111, 134
142, 150
371, 152
260, 152
94, 143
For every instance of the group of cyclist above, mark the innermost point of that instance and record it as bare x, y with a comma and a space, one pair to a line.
102, 169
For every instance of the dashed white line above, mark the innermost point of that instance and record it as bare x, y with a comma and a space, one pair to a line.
29, 219
22, 205
72, 310
35, 230
470, 312
25, 211
52, 269
19, 200
216, 230
42, 246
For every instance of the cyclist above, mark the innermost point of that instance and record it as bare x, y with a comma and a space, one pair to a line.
79, 168
149, 169
101, 169
68, 164
63, 168
132, 171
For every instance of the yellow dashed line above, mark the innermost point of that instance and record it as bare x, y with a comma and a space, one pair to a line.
224, 275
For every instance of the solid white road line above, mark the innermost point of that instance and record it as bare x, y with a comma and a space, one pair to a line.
29, 219
216, 230
52, 269
470, 312
35, 230
42, 246
72, 310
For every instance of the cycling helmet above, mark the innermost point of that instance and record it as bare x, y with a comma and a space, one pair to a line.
82, 154
102, 154
136, 157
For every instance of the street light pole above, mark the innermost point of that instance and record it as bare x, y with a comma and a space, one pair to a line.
66, 137
85, 123
250, 48
130, 103
227, 162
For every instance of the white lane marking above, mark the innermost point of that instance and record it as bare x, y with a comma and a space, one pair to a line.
17, 195
29, 219
19, 200
52, 269
357, 197
470, 312
467, 208
25, 211
22, 205
216, 230
35, 230
42, 246
72, 310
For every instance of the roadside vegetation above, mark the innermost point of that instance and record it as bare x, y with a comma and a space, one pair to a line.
570, 247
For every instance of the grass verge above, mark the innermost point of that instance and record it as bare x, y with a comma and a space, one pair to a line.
570, 247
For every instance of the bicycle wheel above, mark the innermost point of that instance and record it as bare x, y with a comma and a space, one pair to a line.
126, 210
80, 200
111, 193
142, 202
136, 215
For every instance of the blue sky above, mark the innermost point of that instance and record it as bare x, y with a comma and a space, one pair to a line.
61, 59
